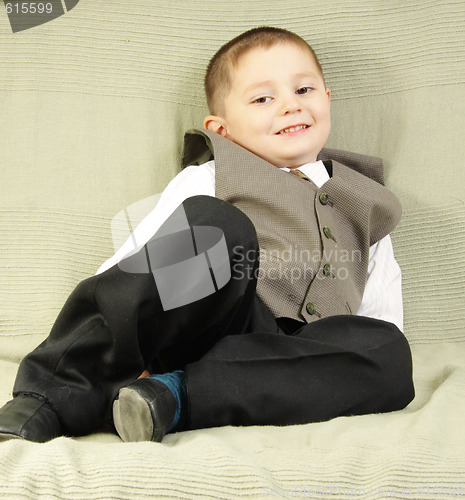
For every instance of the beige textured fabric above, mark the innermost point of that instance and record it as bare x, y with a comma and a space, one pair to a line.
93, 109
313, 254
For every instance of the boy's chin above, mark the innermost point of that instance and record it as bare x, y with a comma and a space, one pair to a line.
290, 161
295, 162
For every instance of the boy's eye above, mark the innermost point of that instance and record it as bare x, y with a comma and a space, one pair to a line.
304, 90
262, 99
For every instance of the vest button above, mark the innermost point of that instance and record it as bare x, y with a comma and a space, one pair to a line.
327, 270
324, 198
327, 232
311, 308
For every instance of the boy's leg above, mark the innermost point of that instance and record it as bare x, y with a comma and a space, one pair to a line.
115, 324
342, 365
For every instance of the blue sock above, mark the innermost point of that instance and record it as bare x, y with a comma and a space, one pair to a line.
176, 383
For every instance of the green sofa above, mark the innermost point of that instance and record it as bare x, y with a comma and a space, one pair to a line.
93, 107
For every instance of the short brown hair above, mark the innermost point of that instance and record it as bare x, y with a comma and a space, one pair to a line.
218, 76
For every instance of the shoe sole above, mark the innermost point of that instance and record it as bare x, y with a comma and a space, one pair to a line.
4, 436
132, 417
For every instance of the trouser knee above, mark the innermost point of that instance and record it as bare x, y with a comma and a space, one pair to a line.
394, 382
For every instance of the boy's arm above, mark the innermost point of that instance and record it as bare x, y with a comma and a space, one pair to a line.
382, 298
192, 181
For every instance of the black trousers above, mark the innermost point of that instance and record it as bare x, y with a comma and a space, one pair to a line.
243, 366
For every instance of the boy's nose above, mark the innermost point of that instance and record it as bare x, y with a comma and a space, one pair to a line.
290, 105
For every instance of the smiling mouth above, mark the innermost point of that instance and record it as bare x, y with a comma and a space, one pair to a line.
292, 130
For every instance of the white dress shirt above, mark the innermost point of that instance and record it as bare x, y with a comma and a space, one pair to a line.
382, 298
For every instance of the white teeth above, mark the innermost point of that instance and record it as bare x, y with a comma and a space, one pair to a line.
292, 129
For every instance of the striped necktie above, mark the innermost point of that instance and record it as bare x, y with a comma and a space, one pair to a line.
298, 173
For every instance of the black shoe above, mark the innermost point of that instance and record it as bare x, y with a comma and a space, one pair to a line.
144, 411
28, 417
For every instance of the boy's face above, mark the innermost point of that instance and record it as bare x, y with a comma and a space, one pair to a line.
278, 106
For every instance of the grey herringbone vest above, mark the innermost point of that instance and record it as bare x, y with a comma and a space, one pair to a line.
314, 243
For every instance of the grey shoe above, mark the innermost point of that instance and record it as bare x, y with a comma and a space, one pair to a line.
31, 418
144, 411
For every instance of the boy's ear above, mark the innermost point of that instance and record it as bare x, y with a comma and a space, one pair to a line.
216, 124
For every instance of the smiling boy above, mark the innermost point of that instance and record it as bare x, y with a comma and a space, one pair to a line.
278, 106
297, 342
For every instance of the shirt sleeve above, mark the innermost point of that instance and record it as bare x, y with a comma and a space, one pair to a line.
382, 298
192, 181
